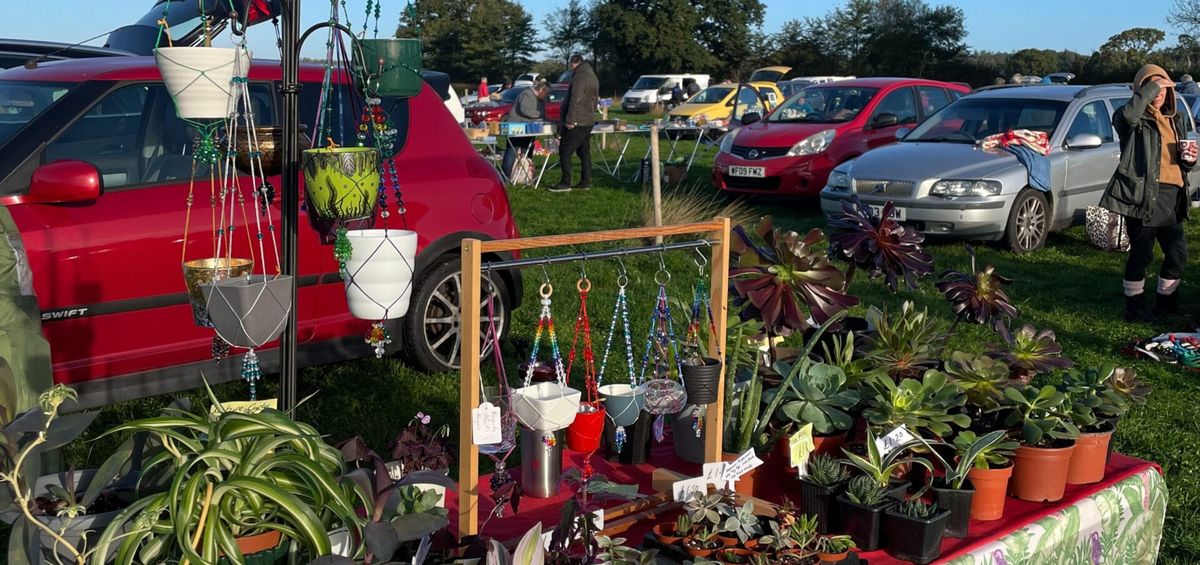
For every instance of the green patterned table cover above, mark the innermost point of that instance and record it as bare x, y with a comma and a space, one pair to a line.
1121, 524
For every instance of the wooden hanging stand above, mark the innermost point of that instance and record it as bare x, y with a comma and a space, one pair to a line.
717, 232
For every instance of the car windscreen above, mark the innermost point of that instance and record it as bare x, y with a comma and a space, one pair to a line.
21, 102
649, 83
557, 95
824, 105
711, 95
970, 119
509, 96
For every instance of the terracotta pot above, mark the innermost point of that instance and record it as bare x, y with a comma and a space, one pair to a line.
829, 445
745, 554
698, 552
259, 543
665, 532
991, 489
1089, 457
1040, 474
833, 557
792, 556
729, 541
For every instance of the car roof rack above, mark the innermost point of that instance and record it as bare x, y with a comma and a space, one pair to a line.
1088, 89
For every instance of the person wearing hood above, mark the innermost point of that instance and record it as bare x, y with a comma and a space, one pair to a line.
1149, 188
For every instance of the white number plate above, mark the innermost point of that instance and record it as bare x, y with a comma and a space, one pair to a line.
898, 214
756, 172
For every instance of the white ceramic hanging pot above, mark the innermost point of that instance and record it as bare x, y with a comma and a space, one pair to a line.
546, 407
199, 79
379, 273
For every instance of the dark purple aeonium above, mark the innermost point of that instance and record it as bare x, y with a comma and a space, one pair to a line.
1029, 352
879, 245
787, 278
978, 296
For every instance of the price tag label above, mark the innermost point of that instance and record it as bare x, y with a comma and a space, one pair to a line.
485, 424
893, 440
800, 445
714, 473
745, 463
245, 406
684, 490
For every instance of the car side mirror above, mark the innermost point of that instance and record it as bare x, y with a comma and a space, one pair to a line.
884, 120
902, 133
65, 182
750, 117
1084, 141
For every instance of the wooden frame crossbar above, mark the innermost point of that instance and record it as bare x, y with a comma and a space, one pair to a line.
718, 233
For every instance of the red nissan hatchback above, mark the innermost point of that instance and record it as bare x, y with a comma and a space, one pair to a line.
94, 169
792, 150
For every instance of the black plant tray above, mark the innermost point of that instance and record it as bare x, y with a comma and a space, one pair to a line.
675, 555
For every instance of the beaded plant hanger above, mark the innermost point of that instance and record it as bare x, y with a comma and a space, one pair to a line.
664, 395
591, 393
620, 310
545, 324
701, 315
499, 452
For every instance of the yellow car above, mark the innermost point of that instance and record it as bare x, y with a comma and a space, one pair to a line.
716, 102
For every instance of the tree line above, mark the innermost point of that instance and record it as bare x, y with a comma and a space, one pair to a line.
470, 39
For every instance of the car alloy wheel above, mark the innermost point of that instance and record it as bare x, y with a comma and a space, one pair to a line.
433, 329
1028, 223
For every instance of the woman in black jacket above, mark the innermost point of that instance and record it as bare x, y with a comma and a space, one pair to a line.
1150, 189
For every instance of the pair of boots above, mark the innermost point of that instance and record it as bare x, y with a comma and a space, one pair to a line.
1137, 309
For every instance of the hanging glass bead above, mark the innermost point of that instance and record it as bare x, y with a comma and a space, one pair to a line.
379, 337
549, 440
660, 428
501, 477
697, 422
251, 372
266, 195
619, 439
342, 250
219, 348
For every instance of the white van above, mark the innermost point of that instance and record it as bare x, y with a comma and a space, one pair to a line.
655, 89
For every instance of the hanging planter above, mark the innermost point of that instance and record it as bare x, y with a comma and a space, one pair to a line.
623, 403
199, 79
388, 67
341, 183
249, 311
664, 396
546, 407
585, 432
199, 272
378, 274
701, 380
270, 150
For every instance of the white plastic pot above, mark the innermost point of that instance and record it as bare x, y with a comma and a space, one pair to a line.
546, 407
379, 273
199, 79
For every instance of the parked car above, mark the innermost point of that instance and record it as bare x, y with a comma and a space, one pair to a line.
770, 74
473, 98
554, 101
1061, 78
717, 102
943, 184
651, 90
94, 169
792, 150
527, 79
791, 86
494, 110
18, 52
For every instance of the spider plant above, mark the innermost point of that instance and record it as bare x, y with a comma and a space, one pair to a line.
928, 405
969, 454
977, 297
908, 343
993, 456
1029, 352
878, 245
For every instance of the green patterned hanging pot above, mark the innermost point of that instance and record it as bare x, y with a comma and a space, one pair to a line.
341, 183
388, 67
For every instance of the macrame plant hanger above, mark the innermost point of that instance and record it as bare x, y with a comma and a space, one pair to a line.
499, 452
621, 310
588, 427
664, 395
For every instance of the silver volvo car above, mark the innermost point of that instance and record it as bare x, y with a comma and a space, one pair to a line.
943, 183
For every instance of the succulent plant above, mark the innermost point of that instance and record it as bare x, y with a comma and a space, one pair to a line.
993, 456
1041, 415
971, 451
1029, 352
865, 491
742, 522
818, 396
827, 470
981, 378
924, 406
1093, 399
841, 355
683, 525
978, 296
907, 344
1127, 384
787, 278
879, 467
834, 544
878, 244
916, 508
706, 509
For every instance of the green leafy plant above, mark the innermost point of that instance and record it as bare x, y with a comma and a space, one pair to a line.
706, 509
879, 467
834, 544
977, 297
683, 525
731, 555
857, 369
805, 361
928, 405
917, 508
741, 348
704, 538
1126, 383
1095, 404
981, 378
613, 551
968, 454
1029, 352
817, 396
866, 491
906, 344
1041, 415
749, 407
827, 470
992, 456
741, 522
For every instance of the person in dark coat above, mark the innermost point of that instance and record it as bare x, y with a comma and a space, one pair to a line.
1188, 86
691, 87
676, 96
1150, 189
578, 117
527, 108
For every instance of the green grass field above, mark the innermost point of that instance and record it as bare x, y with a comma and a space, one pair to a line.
1069, 287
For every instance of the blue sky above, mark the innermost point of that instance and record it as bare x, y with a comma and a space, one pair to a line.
996, 25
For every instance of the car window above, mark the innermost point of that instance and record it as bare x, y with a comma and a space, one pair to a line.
107, 135
769, 95
21, 102
820, 104
970, 119
711, 95
932, 99
747, 101
900, 103
1092, 118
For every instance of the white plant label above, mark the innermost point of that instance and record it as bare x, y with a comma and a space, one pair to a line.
714, 473
684, 490
745, 463
893, 440
485, 424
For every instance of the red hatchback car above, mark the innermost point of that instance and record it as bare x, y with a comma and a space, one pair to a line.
94, 169
792, 149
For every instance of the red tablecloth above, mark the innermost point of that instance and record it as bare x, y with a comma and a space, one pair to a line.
1017, 513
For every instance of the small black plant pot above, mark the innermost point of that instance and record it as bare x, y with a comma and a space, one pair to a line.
701, 380
914, 539
821, 501
958, 502
863, 523
898, 490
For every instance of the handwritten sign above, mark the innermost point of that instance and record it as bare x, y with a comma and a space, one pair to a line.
714, 473
245, 406
893, 440
745, 463
485, 424
684, 490
800, 445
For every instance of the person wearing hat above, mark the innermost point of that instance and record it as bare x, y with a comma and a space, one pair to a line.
1150, 189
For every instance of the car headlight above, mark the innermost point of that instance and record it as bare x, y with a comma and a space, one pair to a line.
965, 188
812, 144
839, 181
726, 144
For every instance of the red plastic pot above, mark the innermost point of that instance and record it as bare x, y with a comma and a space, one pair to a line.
585, 432
1040, 474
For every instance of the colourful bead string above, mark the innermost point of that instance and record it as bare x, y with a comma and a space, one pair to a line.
621, 309
546, 323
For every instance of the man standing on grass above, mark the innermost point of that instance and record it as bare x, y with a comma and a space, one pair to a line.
578, 117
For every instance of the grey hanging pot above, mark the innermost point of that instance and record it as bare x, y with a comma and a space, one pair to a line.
249, 311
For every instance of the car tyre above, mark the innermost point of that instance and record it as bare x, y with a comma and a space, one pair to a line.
1028, 222
432, 330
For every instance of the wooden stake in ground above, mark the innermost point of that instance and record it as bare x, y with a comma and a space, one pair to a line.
656, 180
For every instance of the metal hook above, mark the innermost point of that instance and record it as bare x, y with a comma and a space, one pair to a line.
701, 261
662, 262
583, 266
545, 272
